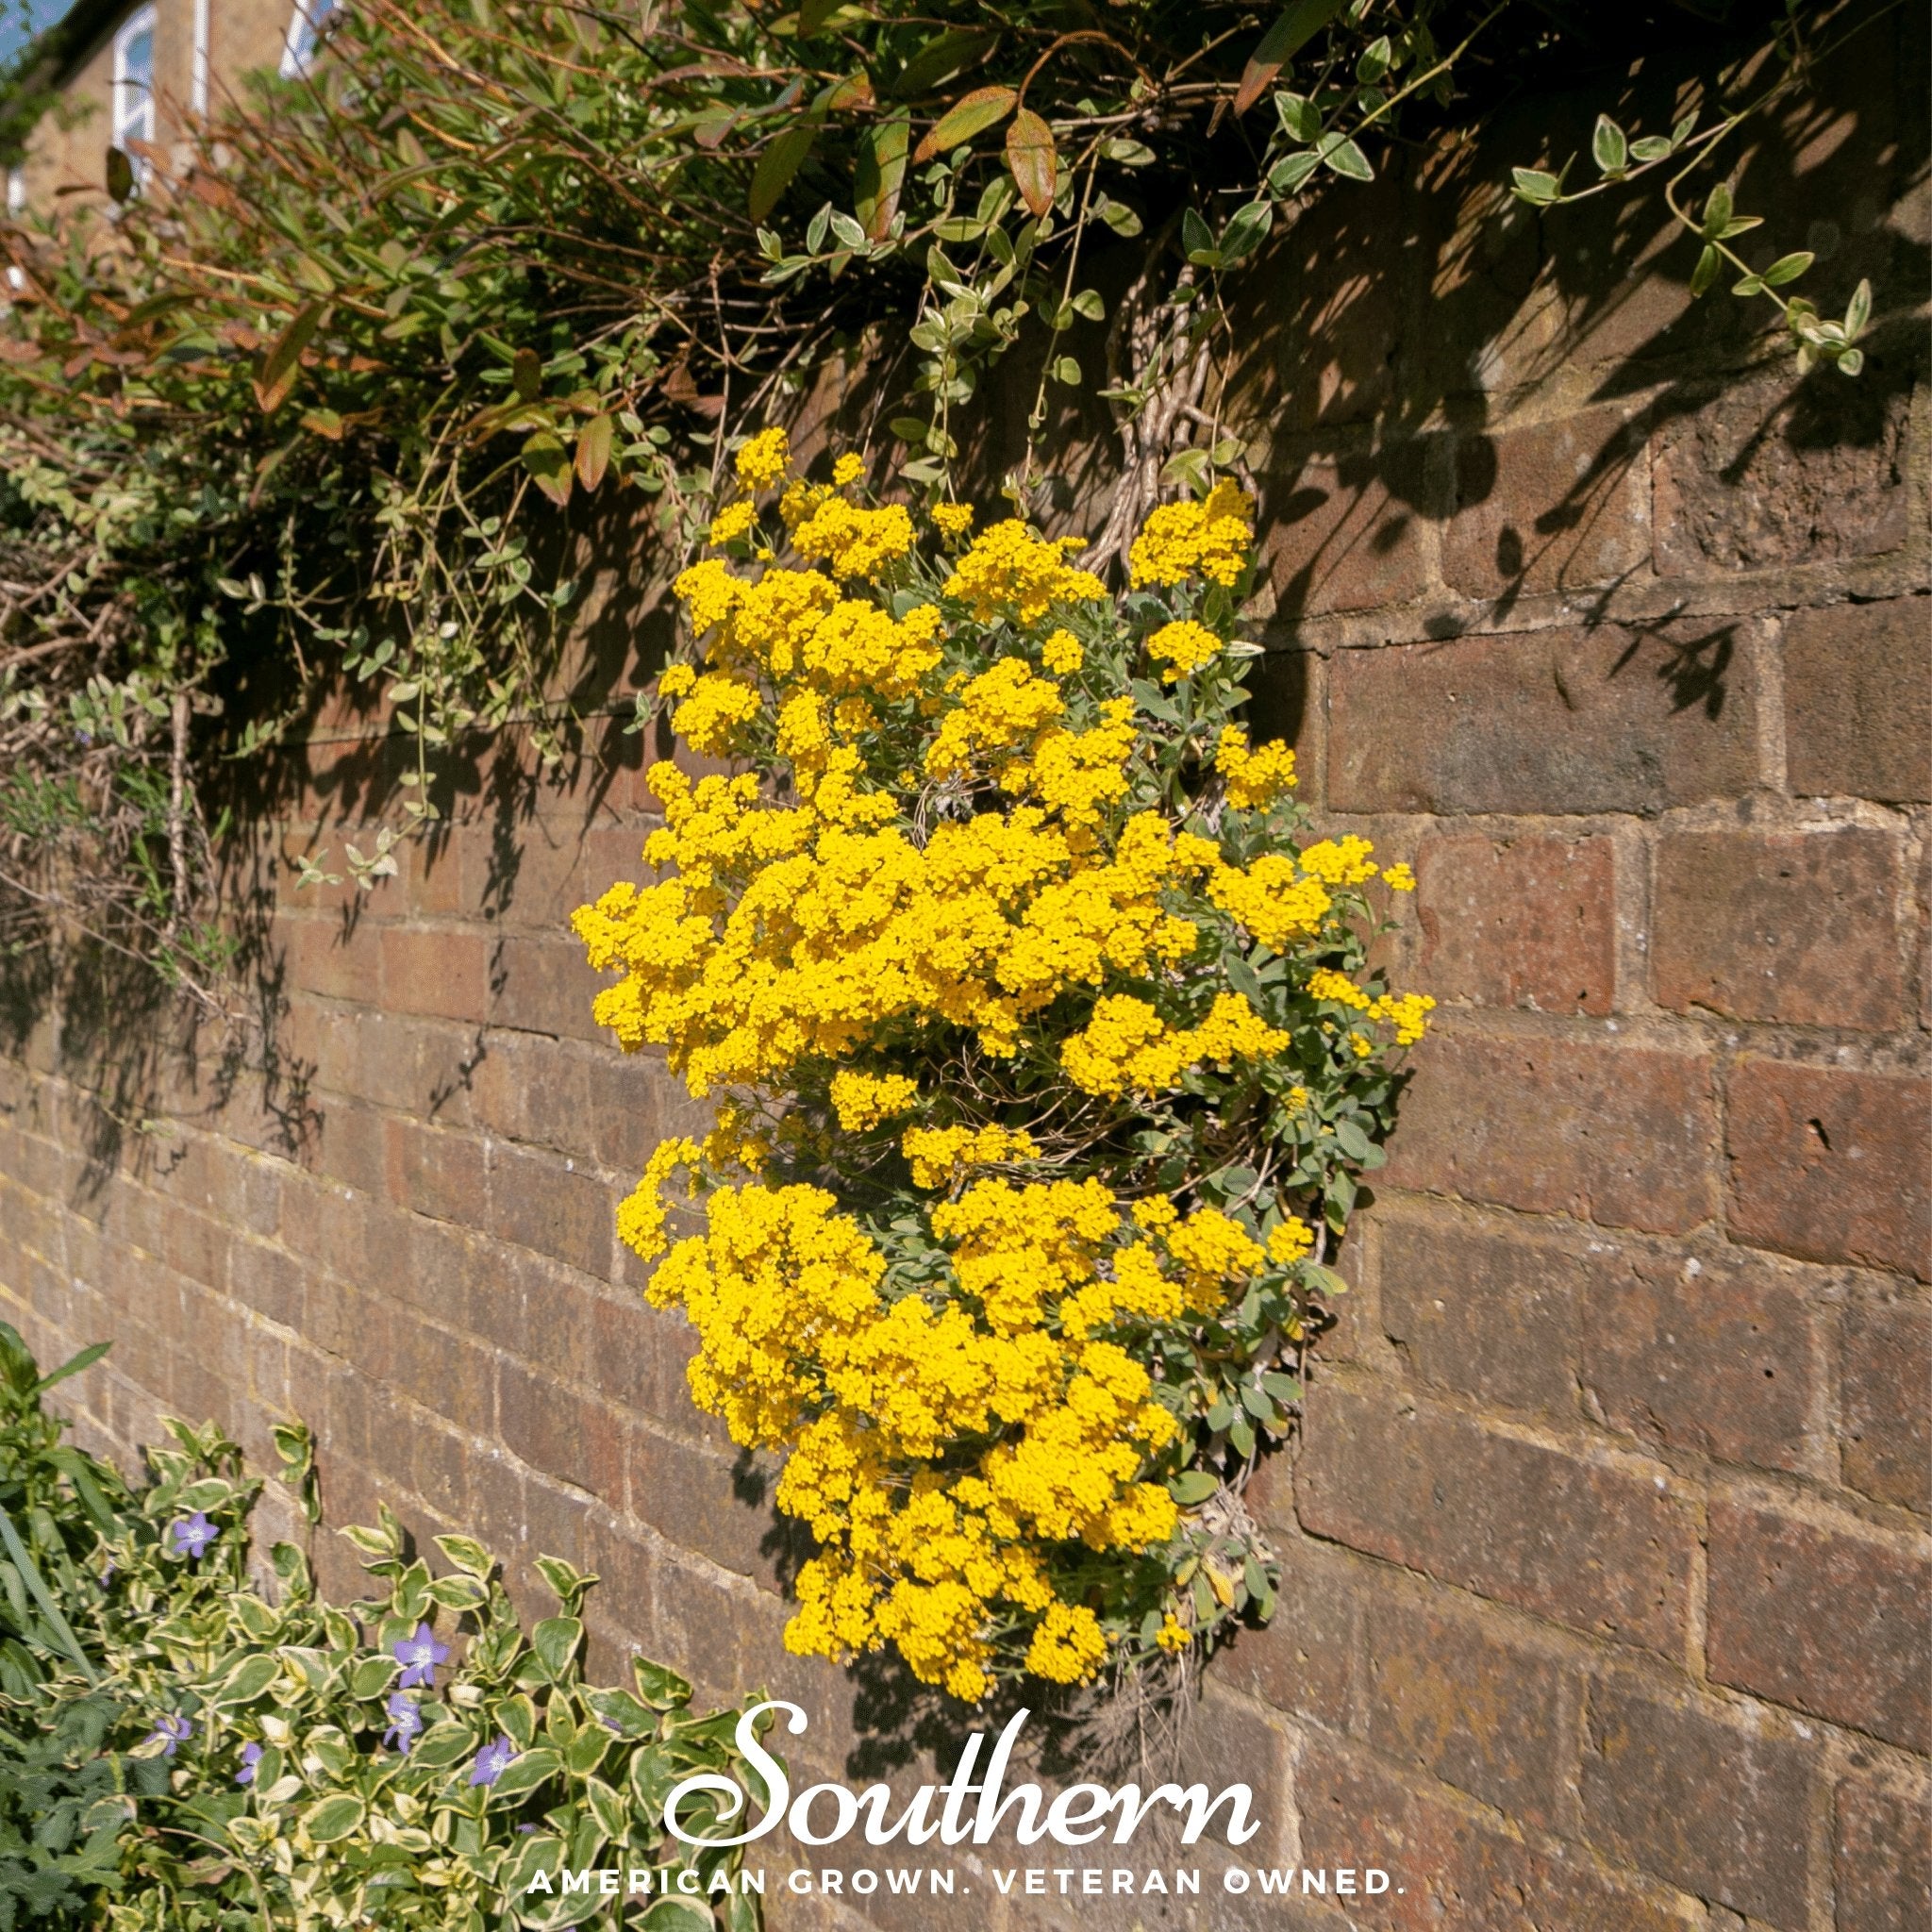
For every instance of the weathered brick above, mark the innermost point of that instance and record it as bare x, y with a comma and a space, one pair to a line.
1713, 1806
1829, 1621
1304, 1658
1858, 701
1590, 719
1711, 1353
1594, 1546
1523, 922
1775, 472
1885, 1368
1486, 1714
1882, 1846
1486, 1310
441, 1174
440, 971
541, 1203
1351, 532
705, 1503
1800, 927
321, 956
1449, 1868
1621, 1134
1556, 505
540, 984
1831, 1164
538, 1423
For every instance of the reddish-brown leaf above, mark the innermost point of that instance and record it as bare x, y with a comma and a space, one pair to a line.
1033, 160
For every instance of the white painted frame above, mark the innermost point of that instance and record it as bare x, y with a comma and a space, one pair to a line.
306, 23
133, 118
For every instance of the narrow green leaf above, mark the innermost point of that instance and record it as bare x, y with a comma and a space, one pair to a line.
1706, 272
1787, 268
282, 362
72, 1366
879, 175
1293, 29
779, 162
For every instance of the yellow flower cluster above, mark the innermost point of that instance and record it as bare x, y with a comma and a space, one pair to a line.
1126, 1046
854, 541
786, 1295
937, 1155
1255, 775
980, 928
1183, 647
1011, 573
1183, 540
863, 1100
733, 521
763, 459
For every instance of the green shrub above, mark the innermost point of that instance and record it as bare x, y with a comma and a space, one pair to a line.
183, 1749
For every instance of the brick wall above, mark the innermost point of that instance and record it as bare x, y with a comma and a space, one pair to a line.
1605, 1544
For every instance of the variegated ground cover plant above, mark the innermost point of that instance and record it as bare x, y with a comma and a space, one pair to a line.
187, 1748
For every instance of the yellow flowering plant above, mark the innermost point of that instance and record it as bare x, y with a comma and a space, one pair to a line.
1043, 1060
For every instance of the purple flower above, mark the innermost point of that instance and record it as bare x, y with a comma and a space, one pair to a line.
192, 1536
419, 1657
404, 1721
251, 1756
170, 1734
492, 1761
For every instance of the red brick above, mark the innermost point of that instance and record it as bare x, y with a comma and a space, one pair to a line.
1450, 1870
1756, 477
1591, 720
1858, 701
1882, 1841
1452, 1697
1349, 532
1885, 1368
440, 971
543, 985
1800, 927
1830, 1164
1554, 506
1828, 1621
540, 1423
1487, 1311
440, 1174
1528, 921
1621, 1134
1718, 1809
1304, 1658
1581, 1541
541, 1203
320, 956
701, 1501
1708, 1352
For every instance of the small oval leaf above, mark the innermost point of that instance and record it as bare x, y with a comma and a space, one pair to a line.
1033, 160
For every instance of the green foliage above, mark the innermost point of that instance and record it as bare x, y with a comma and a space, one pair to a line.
313, 417
181, 1751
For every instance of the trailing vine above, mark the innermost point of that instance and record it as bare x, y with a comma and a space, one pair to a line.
369, 349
